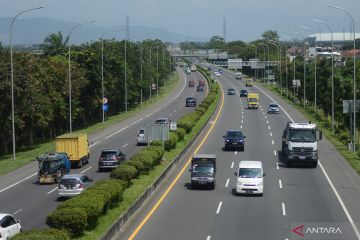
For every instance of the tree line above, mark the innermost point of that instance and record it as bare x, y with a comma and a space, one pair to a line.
41, 83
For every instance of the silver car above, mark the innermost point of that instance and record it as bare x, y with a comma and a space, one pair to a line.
72, 185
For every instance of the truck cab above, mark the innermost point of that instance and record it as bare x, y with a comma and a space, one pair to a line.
203, 170
299, 143
253, 100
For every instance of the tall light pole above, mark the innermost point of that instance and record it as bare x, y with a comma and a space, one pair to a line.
354, 59
80, 24
252, 45
332, 73
286, 68
294, 57
102, 72
12, 78
153, 45
315, 70
264, 46
277, 44
304, 73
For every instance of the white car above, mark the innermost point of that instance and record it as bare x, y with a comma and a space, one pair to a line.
217, 73
141, 137
250, 178
9, 227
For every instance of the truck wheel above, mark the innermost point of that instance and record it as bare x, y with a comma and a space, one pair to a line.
314, 164
80, 164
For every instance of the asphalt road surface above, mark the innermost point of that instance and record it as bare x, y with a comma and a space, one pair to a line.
21, 195
325, 196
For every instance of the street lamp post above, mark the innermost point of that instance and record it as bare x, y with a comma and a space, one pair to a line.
294, 57
286, 69
332, 72
157, 68
315, 69
12, 79
354, 70
252, 45
102, 72
304, 74
78, 25
277, 44
264, 46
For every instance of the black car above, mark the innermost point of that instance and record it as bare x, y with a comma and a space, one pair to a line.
243, 93
200, 88
231, 91
110, 159
234, 139
190, 102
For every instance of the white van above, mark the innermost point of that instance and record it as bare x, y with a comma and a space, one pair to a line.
250, 178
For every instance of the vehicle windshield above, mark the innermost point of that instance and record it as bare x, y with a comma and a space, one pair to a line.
234, 134
302, 135
160, 121
203, 168
69, 181
108, 154
243, 91
273, 105
142, 131
250, 173
252, 100
50, 166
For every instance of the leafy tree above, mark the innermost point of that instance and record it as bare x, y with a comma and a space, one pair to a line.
55, 44
270, 35
217, 42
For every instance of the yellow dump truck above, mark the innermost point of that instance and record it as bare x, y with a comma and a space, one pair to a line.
253, 101
76, 146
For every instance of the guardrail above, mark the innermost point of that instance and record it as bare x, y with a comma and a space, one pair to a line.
124, 218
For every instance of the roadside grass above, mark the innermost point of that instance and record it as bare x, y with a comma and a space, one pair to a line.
139, 185
26, 155
351, 158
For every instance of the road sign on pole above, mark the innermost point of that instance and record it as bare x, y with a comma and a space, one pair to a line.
105, 107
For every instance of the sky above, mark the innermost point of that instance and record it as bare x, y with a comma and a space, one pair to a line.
245, 20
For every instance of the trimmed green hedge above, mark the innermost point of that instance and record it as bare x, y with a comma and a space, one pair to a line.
73, 220
180, 132
82, 212
42, 234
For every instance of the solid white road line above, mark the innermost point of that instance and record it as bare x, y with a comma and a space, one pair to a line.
326, 176
275, 152
232, 164
341, 202
17, 211
125, 145
86, 170
116, 132
94, 144
219, 207
14, 184
280, 184
49, 192
283, 209
227, 183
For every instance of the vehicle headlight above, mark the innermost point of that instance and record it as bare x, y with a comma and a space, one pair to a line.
227, 140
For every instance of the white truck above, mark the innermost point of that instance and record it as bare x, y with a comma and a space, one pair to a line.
299, 143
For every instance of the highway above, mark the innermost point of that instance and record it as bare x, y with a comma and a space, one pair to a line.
326, 195
30, 202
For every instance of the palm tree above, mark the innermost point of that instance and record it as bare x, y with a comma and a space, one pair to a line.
55, 44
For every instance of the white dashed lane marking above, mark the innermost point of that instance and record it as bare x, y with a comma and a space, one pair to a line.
227, 183
280, 184
219, 208
283, 209
232, 164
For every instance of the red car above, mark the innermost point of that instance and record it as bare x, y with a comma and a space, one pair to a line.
191, 83
201, 83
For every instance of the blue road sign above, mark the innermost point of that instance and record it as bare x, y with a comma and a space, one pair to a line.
106, 107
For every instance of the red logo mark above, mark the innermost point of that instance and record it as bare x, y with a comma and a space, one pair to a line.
298, 230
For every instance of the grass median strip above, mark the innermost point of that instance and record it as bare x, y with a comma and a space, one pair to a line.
27, 155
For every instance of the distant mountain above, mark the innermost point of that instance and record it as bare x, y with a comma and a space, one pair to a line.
34, 30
